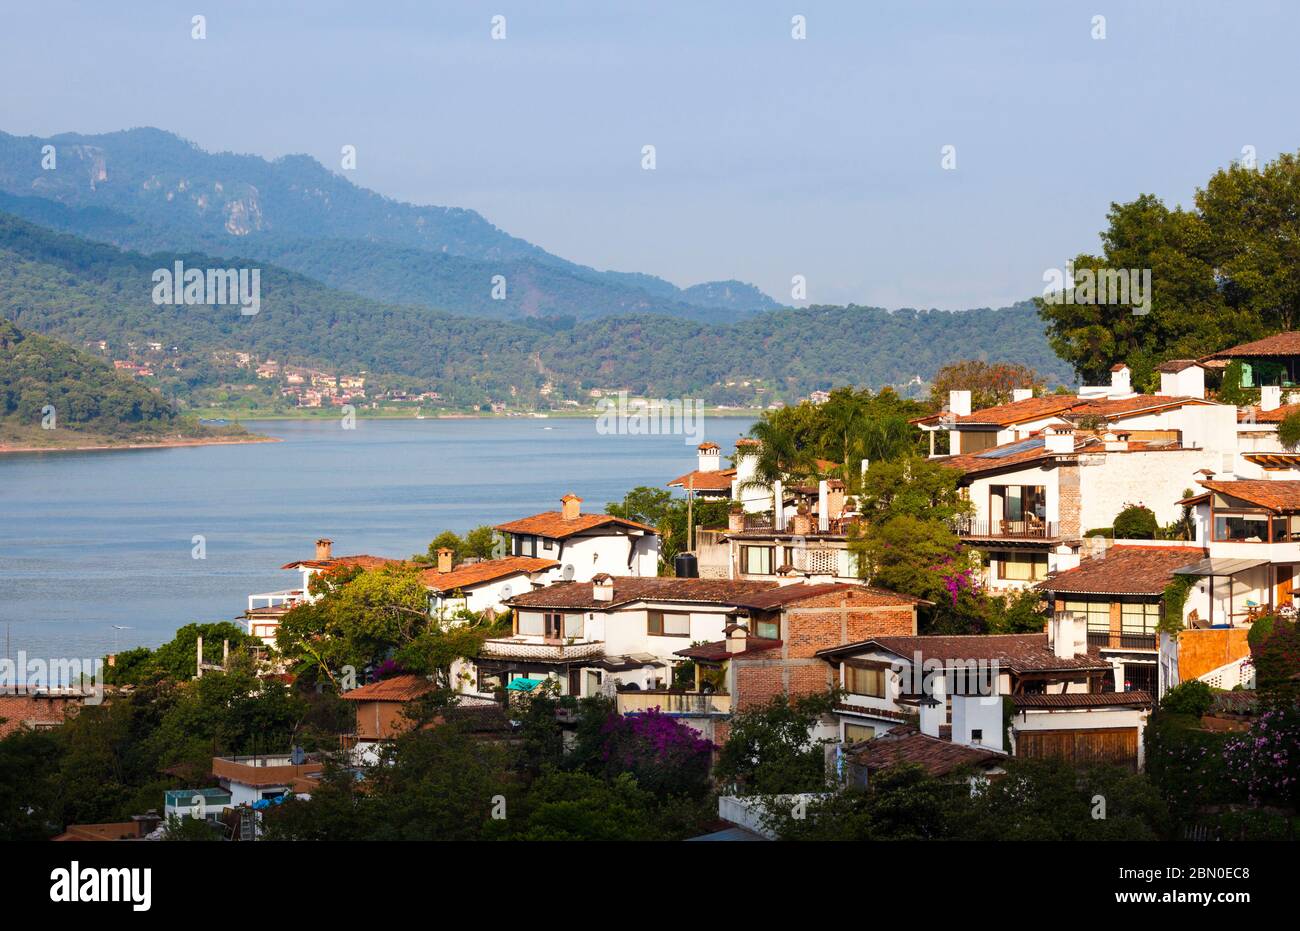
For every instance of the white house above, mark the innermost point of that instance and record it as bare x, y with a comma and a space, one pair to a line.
585, 545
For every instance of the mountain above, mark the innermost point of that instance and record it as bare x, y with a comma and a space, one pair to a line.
85, 292
147, 189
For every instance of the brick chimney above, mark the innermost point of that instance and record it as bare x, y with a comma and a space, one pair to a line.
736, 518
602, 587
444, 559
802, 524
570, 506
324, 547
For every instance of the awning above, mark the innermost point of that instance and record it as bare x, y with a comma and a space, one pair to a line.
1221, 566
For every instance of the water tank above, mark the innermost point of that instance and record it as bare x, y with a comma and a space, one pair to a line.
686, 566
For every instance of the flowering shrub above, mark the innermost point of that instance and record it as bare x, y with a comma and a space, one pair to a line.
1264, 762
664, 755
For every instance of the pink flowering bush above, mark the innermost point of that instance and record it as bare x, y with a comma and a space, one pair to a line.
1264, 762
665, 756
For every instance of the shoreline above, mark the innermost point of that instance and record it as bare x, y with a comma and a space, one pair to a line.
175, 443
239, 417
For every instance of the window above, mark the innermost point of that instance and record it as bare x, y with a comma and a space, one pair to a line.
976, 734
856, 733
973, 442
488, 681
531, 624
1139, 618
1022, 567
1097, 612
770, 630
559, 625
573, 625
548, 545
756, 560
668, 624
1244, 527
525, 546
862, 681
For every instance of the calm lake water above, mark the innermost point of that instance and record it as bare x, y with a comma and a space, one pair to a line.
97, 539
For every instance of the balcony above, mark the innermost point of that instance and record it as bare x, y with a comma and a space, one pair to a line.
546, 651
286, 598
1030, 529
1109, 640
672, 702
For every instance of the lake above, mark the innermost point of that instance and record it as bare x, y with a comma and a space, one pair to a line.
97, 539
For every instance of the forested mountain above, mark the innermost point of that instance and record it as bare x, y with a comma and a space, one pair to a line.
85, 292
46, 379
146, 189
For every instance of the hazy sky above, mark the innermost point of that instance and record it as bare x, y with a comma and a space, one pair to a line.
775, 157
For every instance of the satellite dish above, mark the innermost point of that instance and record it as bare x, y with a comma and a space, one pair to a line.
506, 591
298, 756
568, 572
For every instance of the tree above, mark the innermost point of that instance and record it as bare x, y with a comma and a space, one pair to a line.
990, 384
771, 750
1136, 522
1288, 431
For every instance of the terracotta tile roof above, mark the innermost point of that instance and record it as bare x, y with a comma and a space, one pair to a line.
552, 524
395, 688
1084, 700
705, 481
467, 575
1176, 365
1112, 408
856, 594
886, 713
1014, 412
362, 560
27, 711
905, 745
1125, 570
1065, 406
1276, 415
1279, 344
1274, 495
628, 589
716, 652
1017, 653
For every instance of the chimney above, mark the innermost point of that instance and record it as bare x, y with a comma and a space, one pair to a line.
1066, 635
835, 498
1058, 440
977, 721
778, 507
802, 520
823, 507
444, 559
736, 518
933, 710
570, 506
324, 547
1115, 442
1270, 397
710, 457
737, 637
602, 587
959, 403
1120, 383
1021, 394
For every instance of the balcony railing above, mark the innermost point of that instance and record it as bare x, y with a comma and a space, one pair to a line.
559, 651
1108, 640
1032, 529
671, 702
284, 598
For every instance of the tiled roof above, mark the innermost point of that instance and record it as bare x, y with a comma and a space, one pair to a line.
362, 560
1176, 365
885, 713
1125, 570
905, 745
1279, 344
1005, 415
719, 480
1274, 495
552, 524
637, 588
1017, 653
716, 651
1084, 700
1276, 415
1065, 405
467, 575
1245, 701
394, 688
21, 711
858, 594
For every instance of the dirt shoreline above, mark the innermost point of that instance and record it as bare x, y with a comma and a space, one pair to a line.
175, 443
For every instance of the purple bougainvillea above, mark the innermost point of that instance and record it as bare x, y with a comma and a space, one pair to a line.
662, 753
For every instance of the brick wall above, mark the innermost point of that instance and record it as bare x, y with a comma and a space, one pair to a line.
1068, 506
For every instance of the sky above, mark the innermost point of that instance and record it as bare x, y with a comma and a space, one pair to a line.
821, 157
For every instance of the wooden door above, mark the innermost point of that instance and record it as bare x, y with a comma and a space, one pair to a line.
1284, 585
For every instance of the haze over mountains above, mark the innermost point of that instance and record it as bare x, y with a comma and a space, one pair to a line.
147, 189
351, 279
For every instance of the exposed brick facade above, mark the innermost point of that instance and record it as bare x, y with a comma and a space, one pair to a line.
1068, 502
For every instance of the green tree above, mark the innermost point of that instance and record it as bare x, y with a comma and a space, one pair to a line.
770, 749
